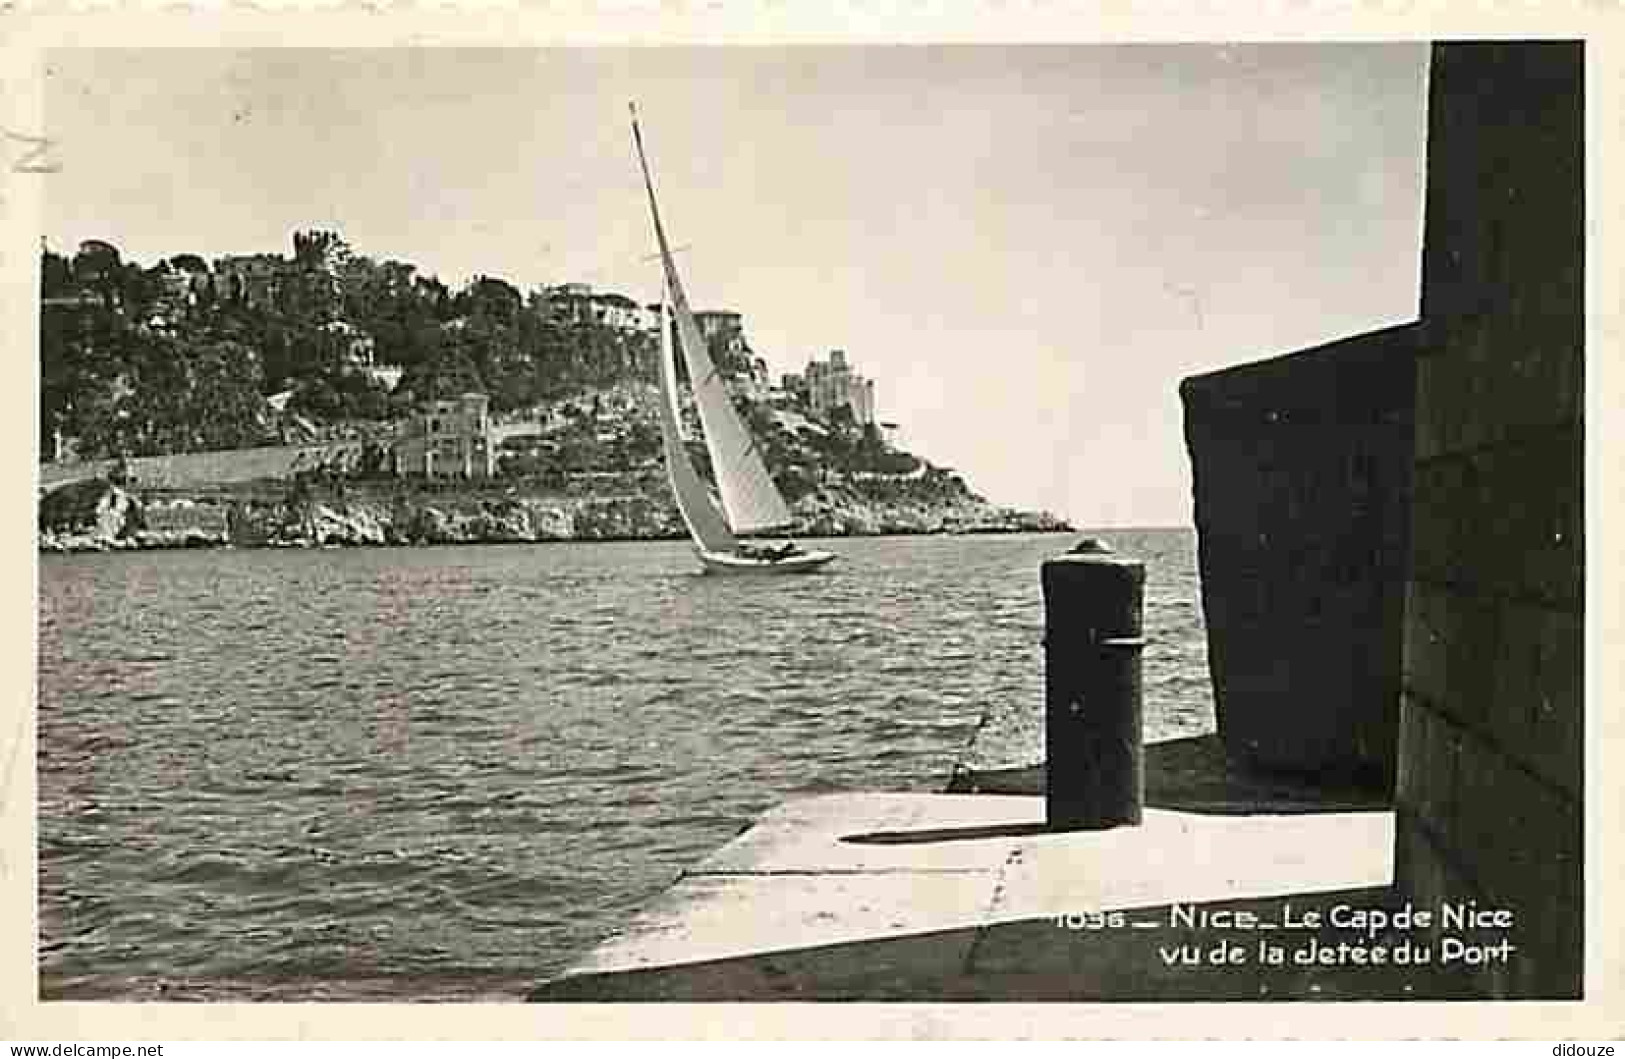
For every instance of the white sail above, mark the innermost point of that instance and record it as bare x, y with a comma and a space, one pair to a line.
749, 497
705, 523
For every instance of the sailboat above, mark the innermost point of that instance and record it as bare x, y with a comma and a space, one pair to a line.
747, 501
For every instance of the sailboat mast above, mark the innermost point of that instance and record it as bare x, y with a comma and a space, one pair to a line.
750, 500
654, 207
674, 285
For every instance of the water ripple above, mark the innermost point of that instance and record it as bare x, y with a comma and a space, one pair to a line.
431, 773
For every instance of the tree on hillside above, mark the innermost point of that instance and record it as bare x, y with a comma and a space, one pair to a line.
81, 354
448, 375
223, 404
98, 266
549, 349
315, 351
95, 261
489, 297
400, 309
139, 288
490, 344
341, 395
56, 275
273, 337
437, 295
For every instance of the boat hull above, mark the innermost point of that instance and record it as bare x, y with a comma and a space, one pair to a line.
740, 566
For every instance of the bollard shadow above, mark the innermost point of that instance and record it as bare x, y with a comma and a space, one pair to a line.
946, 834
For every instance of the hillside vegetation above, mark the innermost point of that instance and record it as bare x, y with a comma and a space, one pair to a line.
288, 378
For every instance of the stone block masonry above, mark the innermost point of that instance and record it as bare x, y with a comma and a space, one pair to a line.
1392, 526
1302, 478
1491, 754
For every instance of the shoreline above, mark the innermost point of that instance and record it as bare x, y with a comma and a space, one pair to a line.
48, 545
96, 515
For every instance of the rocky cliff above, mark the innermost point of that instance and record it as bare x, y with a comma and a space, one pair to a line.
97, 515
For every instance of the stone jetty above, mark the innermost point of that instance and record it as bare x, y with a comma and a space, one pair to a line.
1392, 543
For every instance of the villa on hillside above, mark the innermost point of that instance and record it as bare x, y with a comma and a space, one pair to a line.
358, 347
266, 281
831, 384
184, 281
579, 303
253, 279
386, 375
720, 323
449, 437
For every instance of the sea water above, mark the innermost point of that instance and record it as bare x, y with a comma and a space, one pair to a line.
442, 773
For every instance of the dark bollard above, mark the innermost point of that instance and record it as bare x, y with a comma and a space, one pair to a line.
1093, 633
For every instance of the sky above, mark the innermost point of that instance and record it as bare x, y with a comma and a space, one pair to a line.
1025, 247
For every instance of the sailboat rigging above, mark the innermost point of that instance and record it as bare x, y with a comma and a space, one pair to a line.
748, 501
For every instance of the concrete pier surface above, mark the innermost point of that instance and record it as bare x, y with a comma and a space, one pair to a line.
963, 897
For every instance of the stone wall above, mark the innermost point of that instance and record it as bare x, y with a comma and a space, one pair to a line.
1491, 750
185, 517
198, 470
1302, 472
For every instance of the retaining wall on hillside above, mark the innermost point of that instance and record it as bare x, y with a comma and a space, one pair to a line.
191, 470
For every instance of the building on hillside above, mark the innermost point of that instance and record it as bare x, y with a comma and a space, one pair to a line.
79, 299
570, 303
157, 324
753, 381
323, 253
617, 311
724, 331
448, 438
578, 303
96, 260
833, 384
864, 406
91, 280
386, 375
309, 281
181, 289
357, 346
719, 323
251, 279
174, 286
